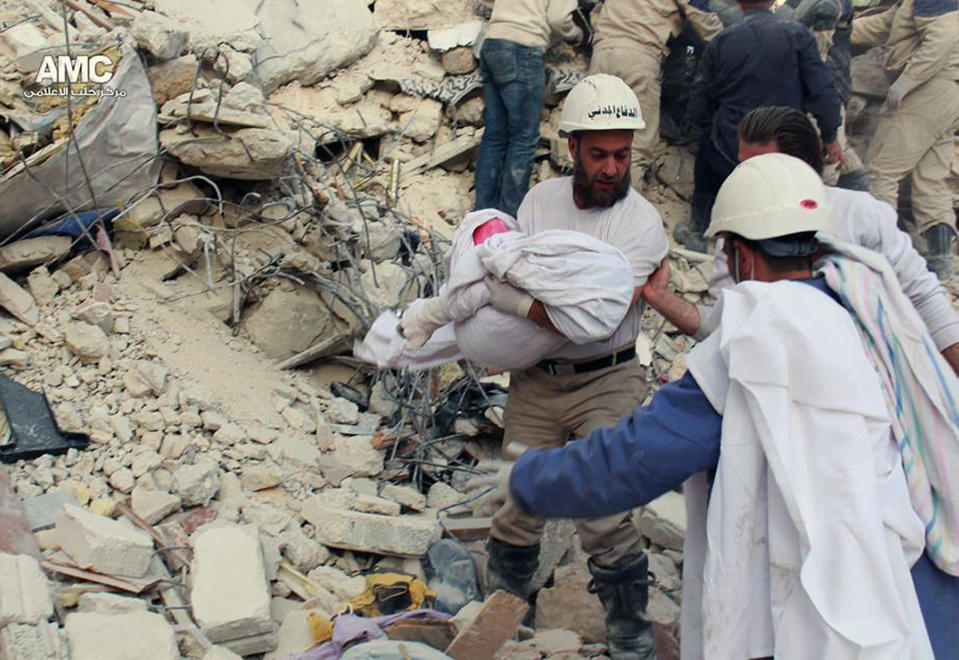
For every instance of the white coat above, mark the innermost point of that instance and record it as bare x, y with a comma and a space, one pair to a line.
804, 548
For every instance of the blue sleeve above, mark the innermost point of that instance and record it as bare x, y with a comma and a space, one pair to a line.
618, 468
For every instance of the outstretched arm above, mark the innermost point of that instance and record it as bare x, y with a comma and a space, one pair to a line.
651, 451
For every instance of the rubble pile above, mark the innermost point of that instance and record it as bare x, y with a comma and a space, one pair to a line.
246, 477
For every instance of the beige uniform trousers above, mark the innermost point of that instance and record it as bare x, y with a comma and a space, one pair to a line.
641, 69
547, 411
918, 138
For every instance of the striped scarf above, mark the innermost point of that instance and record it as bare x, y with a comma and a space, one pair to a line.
921, 390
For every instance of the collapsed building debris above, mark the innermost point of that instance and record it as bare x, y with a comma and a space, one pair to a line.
276, 174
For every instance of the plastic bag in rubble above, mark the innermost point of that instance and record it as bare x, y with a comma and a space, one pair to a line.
585, 285
117, 142
453, 575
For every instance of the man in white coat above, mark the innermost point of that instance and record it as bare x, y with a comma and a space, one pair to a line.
800, 544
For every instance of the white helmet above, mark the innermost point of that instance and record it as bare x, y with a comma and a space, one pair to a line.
600, 102
769, 196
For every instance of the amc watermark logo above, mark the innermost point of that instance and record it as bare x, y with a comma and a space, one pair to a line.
56, 71
76, 69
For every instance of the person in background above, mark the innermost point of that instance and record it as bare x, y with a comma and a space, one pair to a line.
631, 40
514, 85
860, 219
762, 59
915, 133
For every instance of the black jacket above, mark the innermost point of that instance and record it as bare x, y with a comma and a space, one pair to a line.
761, 60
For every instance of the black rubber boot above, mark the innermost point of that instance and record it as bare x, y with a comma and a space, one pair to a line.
939, 250
690, 237
624, 591
511, 567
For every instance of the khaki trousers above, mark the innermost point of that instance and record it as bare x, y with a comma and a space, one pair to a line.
917, 138
641, 69
547, 411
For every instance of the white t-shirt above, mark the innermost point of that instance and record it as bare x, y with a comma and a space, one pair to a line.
632, 225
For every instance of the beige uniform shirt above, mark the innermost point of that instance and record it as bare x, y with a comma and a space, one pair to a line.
532, 22
921, 43
651, 23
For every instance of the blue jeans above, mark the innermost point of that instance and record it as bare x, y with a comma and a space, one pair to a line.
514, 84
938, 594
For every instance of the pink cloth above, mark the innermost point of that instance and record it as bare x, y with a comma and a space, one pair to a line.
487, 229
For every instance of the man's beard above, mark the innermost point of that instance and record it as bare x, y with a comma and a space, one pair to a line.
592, 196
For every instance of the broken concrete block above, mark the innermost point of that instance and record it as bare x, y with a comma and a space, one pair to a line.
380, 505
196, 484
17, 301
162, 37
342, 411
358, 455
337, 582
24, 592
42, 286
569, 605
170, 79
422, 122
23, 254
555, 641
306, 41
442, 496
87, 342
212, 23
458, 61
408, 497
300, 550
367, 532
42, 511
131, 636
153, 505
105, 603
230, 597
294, 453
496, 622
261, 476
247, 153
293, 637
402, 15
153, 374
105, 545
99, 314
289, 320
220, 653
663, 521
268, 518
11, 357
31, 642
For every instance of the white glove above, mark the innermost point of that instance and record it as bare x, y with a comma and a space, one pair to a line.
419, 321
496, 480
506, 298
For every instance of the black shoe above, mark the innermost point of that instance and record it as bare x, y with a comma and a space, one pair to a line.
689, 237
624, 592
939, 250
511, 567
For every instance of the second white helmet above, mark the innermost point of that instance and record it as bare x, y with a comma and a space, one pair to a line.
769, 196
600, 102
